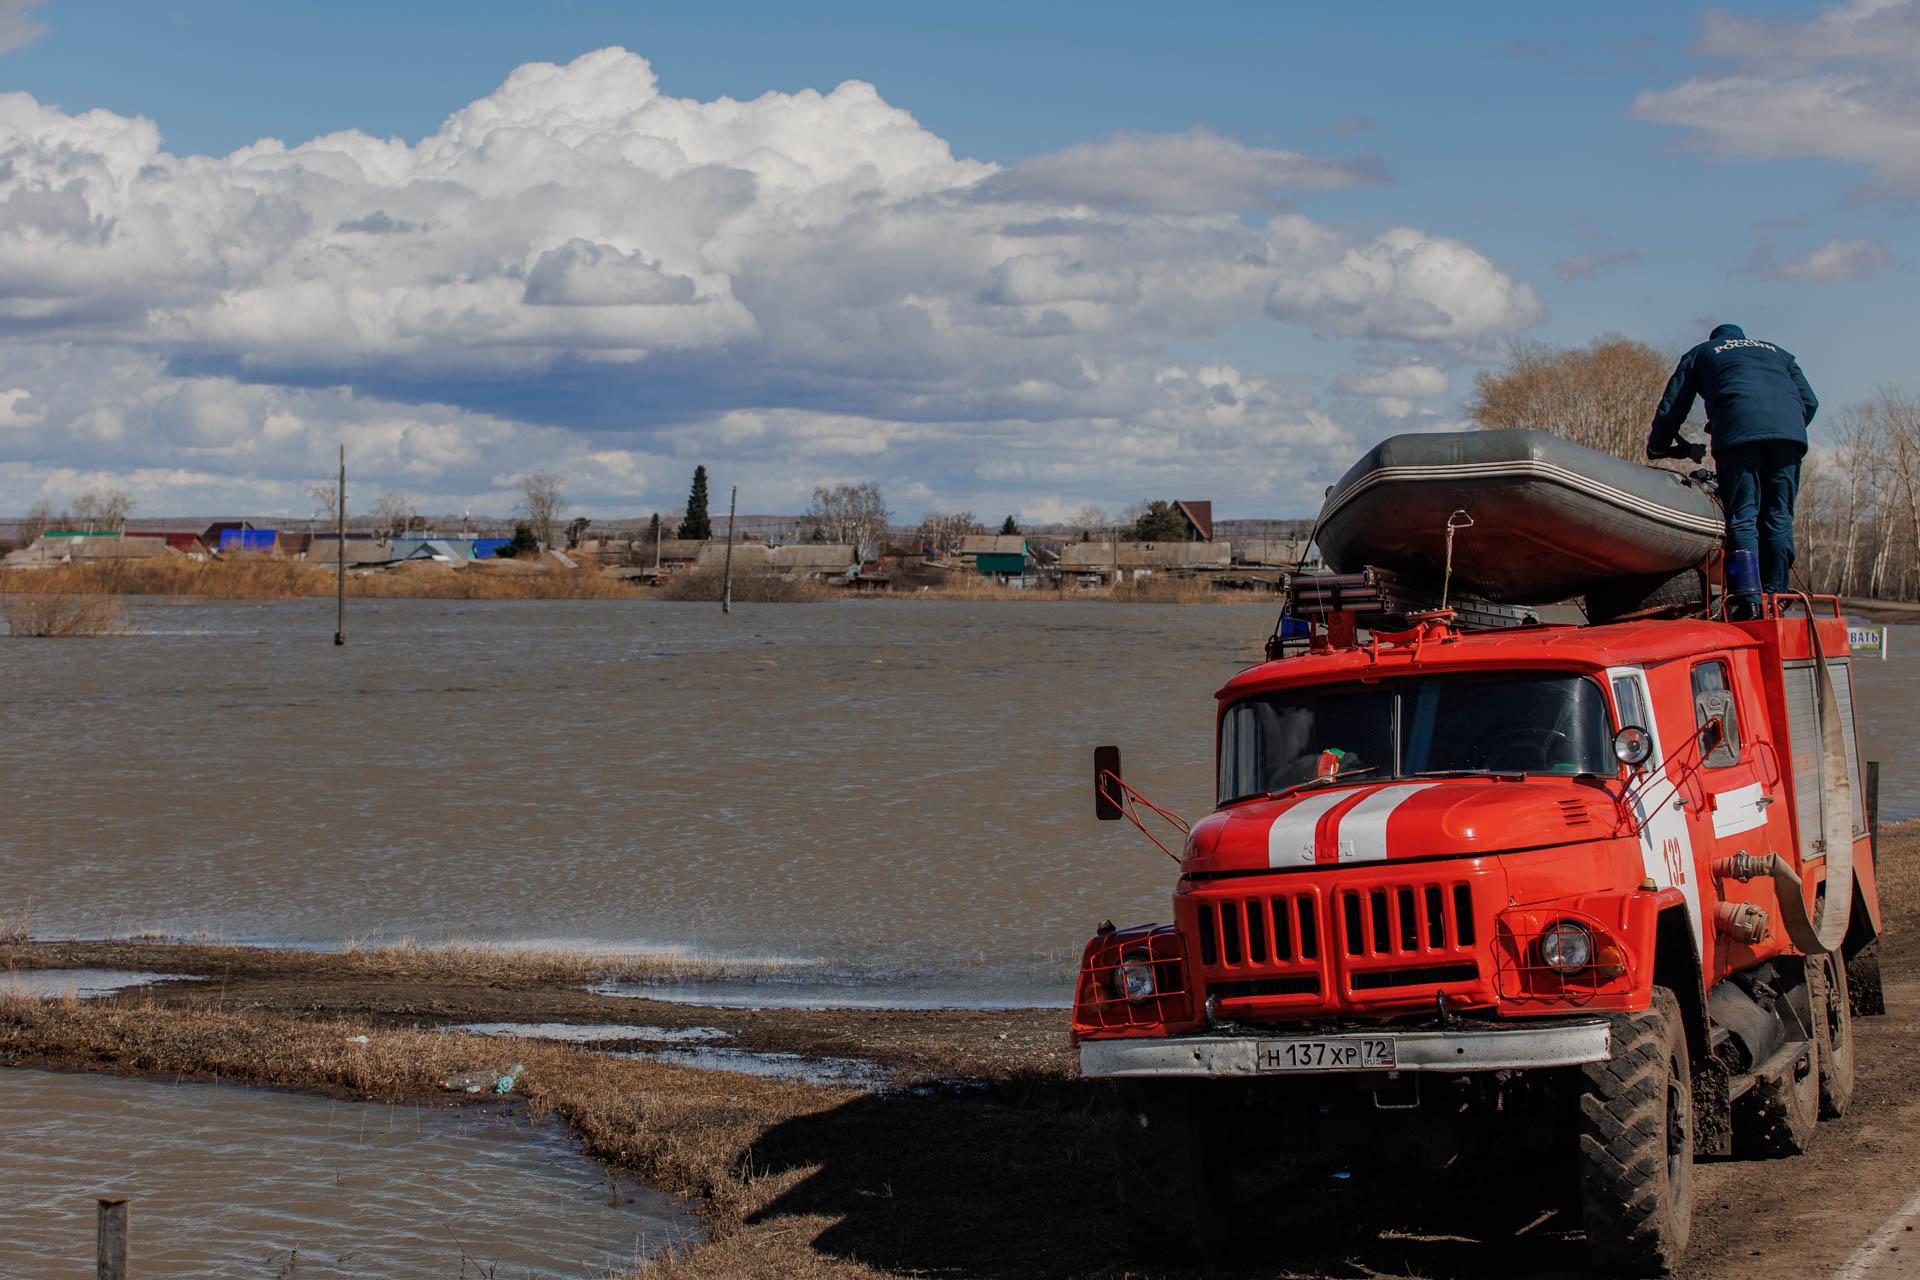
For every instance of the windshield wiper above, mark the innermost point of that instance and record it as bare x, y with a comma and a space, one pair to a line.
1470, 773
1327, 781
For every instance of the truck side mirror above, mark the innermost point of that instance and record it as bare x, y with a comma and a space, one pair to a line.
1106, 794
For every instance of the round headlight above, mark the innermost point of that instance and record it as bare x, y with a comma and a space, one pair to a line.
1633, 746
1133, 980
1566, 947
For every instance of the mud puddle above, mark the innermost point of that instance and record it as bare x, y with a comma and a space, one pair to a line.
83, 984
847, 1073
591, 1033
866, 996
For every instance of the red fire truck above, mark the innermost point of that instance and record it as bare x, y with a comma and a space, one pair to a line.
1593, 892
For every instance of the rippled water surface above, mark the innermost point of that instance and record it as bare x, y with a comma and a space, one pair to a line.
231, 1182
901, 785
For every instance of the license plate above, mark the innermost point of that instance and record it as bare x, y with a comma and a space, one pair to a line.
1359, 1054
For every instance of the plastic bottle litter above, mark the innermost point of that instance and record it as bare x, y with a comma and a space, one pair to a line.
469, 1081
506, 1082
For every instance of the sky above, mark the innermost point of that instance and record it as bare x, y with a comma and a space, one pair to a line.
997, 258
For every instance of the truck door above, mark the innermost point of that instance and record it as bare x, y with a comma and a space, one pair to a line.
1738, 778
1666, 844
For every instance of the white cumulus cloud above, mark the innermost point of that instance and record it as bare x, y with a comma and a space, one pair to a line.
1842, 83
578, 269
1836, 260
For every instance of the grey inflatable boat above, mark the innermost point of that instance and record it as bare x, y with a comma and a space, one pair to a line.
1551, 519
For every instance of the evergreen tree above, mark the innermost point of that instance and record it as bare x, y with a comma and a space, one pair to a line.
1160, 522
523, 544
1009, 527
696, 527
653, 529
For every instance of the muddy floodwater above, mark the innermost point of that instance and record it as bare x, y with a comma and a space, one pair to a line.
899, 787
232, 1182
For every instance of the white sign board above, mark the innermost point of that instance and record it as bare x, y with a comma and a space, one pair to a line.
1868, 639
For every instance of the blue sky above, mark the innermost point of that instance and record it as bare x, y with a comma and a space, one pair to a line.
1073, 319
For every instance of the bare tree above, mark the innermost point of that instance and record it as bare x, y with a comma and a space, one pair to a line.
40, 517
1089, 519
1602, 395
1861, 453
944, 531
393, 513
325, 495
103, 510
1898, 413
852, 513
542, 502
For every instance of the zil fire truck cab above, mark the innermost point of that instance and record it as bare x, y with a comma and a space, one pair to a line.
1593, 892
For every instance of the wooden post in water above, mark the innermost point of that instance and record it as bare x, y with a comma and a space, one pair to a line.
110, 1239
726, 579
340, 545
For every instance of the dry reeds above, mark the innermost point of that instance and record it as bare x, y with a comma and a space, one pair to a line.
15, 929
64, 615
757, 585
495, 963
266, 578
1155, 590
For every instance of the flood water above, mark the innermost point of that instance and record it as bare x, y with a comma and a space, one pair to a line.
233, 1182
901, 786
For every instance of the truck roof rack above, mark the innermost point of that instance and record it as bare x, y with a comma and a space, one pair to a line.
1381, 600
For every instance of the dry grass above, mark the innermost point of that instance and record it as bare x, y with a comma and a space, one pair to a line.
15, 929
64, 615
1147, 591
483, 962
750, 586
265, 578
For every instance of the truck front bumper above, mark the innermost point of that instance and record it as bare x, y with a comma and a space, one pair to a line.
1519, 1047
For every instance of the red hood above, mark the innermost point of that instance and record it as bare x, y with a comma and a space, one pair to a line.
1375, 822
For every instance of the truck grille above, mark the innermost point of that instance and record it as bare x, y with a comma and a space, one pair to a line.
1259, 931
1362, 943
1406, 919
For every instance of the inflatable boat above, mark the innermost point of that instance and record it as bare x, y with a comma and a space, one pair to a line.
1551, 519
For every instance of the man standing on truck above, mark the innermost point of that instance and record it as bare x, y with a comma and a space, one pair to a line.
1758, 408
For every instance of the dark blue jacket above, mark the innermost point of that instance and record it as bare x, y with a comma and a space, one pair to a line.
1754, 391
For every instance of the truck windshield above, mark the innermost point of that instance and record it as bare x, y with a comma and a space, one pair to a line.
1528, 723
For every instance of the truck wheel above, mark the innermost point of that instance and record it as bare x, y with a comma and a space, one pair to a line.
1160, 1170
1777, 1118
1635, 1127
1833, 1027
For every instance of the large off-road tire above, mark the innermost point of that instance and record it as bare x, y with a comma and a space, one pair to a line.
1833, 1028
1777, 1118
1635, 1144
1161, 1175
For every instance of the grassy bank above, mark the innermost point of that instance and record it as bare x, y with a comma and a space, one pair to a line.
262, 578
259, 578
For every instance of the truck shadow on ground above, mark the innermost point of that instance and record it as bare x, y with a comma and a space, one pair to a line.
1015, 1182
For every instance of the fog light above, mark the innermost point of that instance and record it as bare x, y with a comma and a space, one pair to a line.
1566, 947
1133, 980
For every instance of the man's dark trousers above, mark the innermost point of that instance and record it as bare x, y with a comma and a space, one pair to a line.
1758, 483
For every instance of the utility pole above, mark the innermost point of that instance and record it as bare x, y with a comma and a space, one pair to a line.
726, 582
340, 545
656, 544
